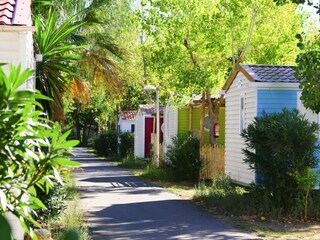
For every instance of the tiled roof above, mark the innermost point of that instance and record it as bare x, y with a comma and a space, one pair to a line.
149, 109
271, 73
128, 115
14, 12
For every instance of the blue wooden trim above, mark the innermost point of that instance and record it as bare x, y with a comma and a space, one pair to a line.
272, 101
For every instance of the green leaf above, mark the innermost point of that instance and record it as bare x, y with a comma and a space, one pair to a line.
68, 144
37, 203
5, 228
65, 162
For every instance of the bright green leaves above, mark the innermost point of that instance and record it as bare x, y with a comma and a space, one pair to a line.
31, 149
308, 71
58, 52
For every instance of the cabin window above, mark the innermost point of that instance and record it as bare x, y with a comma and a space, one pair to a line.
242, 113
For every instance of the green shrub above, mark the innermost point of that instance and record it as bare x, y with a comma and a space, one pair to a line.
106, 144
55, 198
31, 148
152, 172
126, 145
282, 148
224, 197
134, 163
184, 157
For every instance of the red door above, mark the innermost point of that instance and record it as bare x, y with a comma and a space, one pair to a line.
148, 129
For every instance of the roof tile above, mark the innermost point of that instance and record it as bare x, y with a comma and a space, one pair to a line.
271, 73
13, 12
128, 115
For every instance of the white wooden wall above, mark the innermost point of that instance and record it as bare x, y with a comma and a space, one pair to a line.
234, 165
139, 137
16, 47
170, 125
125, 125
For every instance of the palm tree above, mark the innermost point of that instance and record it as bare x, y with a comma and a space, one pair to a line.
52, 40
75, 50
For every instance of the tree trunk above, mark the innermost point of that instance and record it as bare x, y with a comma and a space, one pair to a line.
77, 122
203, 111
213, 118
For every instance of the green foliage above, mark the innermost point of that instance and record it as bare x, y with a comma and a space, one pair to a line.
5, 229
163, 173
308, 72
126, 145
184, 156
133, 163
282, 147
106, 144
31, 149
54, 199
225, 197
51, 40
71, 226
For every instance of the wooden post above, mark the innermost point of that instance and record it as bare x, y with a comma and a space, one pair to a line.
190, 117
203, 110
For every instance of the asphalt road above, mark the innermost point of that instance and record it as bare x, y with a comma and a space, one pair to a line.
121, 206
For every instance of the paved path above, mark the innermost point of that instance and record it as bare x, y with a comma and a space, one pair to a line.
121, 206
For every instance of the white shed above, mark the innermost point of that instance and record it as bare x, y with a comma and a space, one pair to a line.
145, 125
16, 36
250, 90
126, 122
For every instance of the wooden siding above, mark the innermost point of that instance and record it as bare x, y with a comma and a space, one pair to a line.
17, 48
270, 100
183, 120
234, 165
139, 136
170, 126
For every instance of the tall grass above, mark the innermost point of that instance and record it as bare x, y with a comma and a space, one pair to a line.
132, 162
153, 172
71, 224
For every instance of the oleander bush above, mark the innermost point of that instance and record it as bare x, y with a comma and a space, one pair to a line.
281, 148
184, 157
32, 150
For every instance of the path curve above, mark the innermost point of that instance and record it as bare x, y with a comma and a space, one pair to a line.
121, 206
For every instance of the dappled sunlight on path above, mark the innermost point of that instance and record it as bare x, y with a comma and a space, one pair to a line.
121, 206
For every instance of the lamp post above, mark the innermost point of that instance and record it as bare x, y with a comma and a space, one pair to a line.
150, 88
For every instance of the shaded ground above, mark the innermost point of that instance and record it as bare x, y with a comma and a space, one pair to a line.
121, 206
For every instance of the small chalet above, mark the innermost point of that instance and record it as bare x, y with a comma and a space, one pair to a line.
188, 118
126, 122
145, 126
250, 90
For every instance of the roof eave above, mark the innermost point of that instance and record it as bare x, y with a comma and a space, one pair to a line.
234, 74
14, 28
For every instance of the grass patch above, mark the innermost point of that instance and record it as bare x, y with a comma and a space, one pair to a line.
130, 162
72, 223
